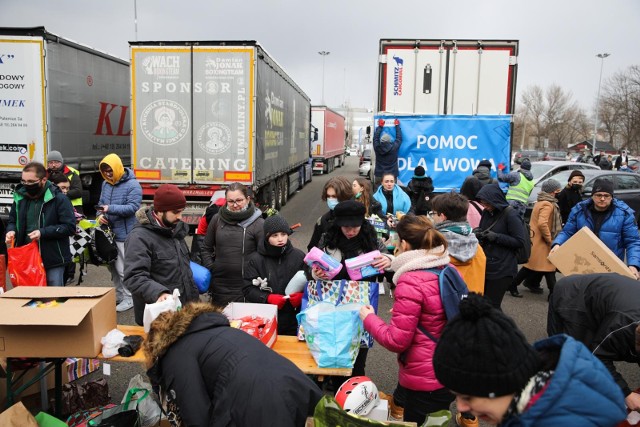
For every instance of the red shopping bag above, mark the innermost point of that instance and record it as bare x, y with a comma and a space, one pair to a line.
25, 266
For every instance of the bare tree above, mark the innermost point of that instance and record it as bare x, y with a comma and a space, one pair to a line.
620, 111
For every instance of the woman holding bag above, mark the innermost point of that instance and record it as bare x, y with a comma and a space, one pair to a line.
417, 303
351, 235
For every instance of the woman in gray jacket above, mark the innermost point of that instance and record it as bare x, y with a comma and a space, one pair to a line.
232, 235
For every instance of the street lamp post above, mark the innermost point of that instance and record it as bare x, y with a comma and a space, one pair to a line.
323, 53
595, 127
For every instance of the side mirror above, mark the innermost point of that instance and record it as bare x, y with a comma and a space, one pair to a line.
368, 130
315, 135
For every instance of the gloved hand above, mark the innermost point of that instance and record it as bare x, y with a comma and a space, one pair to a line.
295, 299
490, 236
396, 122
380, 122
501, 166
277, 299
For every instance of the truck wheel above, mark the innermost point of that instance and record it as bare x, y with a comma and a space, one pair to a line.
277, 189
285, 190
269, 195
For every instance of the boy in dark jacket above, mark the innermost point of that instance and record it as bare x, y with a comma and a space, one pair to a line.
571, 195
420, 192
40, 212
269, 271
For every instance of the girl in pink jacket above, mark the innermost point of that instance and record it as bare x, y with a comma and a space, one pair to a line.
417, 301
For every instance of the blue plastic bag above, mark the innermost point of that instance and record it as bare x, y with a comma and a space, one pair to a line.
333, 333
202, 276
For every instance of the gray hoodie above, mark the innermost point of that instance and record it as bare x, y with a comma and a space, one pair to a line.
463, 244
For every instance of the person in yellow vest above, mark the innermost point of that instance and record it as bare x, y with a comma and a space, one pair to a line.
520, 185
55, 163
449, 213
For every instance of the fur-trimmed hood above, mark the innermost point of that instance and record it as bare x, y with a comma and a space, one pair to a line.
169, 327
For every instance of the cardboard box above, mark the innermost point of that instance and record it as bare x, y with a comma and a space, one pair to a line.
584, 253
72, 328
237, 310
380, 412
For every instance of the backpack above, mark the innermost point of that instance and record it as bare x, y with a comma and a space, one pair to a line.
523, 253
102, 249
452, 290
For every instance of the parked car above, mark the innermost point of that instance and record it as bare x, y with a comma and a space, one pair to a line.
365, 170
546, 169
366, 155
626, 186
555, 155
352, 152
532, 155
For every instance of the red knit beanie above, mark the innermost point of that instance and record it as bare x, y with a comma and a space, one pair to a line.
168, 197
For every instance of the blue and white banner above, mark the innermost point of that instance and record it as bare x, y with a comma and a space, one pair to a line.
449, 148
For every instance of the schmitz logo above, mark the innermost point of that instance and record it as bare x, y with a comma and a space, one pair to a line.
164, 122
214, 137
397, 75
161, 65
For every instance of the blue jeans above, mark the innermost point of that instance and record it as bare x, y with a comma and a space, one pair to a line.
55, 276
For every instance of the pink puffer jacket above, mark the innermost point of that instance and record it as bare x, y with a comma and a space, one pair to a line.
417, 299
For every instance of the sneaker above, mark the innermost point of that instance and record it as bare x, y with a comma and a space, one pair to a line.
467, 422
124, 305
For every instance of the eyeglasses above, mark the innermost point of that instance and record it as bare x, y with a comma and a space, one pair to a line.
602, 196
235, 202
23, 182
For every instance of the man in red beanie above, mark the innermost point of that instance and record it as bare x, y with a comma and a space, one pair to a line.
157, 255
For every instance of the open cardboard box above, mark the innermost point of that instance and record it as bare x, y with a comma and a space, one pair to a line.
584, 253
72, 328
237, 310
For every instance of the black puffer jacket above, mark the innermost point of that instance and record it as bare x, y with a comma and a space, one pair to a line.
501, 254
157, 262
483, 174
421, 193
322, 226
278, 270
225, 251
589, 307
221, 376
567, 199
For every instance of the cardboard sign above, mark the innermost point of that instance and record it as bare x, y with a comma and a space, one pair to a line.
584, 253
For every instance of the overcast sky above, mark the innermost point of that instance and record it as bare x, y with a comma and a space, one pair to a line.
559, 39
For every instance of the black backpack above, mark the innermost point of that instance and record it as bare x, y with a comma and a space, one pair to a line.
523, 253
103, 249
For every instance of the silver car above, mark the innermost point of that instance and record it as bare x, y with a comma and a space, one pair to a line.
547, 169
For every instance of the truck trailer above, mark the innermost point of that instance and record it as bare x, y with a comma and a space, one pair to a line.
455, 100
209, 113
57, 94
328, 148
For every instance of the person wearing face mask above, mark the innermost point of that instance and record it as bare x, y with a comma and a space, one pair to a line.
336, 190
120, 199
362, 193
232, 237
270, 270
545, 225
40, 212
571, 194
157, 255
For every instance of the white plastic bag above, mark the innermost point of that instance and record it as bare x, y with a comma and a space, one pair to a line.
297, 283
112, 342
151, 311
148, 408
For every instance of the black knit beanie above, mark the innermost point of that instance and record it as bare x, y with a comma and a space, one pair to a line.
482, 353
275, 224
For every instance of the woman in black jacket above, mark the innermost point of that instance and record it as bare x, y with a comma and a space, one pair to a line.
336, 190
210, 374
501, 234
270, 270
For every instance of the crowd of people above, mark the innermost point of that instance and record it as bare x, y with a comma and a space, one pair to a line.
480, 359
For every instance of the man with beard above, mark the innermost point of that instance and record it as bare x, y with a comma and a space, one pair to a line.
40, 212
157, 255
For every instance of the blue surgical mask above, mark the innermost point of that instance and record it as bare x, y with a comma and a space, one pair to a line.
358, 195
332, 203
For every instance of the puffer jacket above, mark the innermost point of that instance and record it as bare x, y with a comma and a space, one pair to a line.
278, 270
56, 223
483, 174
580, 393
386, 152
401, 201
225, 251
417, 301
567, 199
123, 195
220, 376
619, 230
157, 262
420, 193
465, 253
598, 310
501, 254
